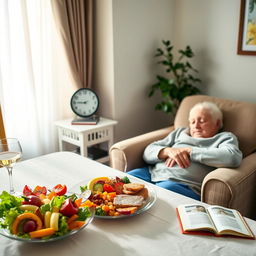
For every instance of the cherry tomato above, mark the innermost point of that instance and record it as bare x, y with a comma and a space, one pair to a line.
27, 190
33, 200
38, 190
108, 188
68, 208
60, 190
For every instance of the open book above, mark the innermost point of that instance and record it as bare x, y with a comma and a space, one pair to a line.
213, 220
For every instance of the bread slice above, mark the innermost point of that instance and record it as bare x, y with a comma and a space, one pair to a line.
134, 187
127, 192
143, 192
121, 201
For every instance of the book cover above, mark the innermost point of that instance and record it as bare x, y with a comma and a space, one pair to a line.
92, 120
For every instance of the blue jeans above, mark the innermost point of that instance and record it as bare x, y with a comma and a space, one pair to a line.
144, 174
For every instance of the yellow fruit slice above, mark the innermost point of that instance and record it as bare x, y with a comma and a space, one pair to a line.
47, 218
29, 207
54, 221
94, 181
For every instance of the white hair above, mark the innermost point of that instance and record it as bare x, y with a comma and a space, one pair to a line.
213, 109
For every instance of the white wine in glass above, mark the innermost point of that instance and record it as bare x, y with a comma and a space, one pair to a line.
10, 153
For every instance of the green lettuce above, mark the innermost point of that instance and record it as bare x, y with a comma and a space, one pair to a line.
83, 213
9, 209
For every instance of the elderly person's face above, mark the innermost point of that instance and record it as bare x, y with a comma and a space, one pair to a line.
202, 124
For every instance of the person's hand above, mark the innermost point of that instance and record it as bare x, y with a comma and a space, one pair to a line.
179, 156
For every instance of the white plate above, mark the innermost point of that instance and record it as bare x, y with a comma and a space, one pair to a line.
148, 203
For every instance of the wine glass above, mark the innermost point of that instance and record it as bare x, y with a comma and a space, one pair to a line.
10, 153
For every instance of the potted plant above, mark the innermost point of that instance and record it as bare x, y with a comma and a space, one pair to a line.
180, 81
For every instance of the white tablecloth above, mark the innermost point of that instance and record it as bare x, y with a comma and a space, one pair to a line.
155, 232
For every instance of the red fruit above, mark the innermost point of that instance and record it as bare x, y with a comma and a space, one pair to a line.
68, 208
34, 200
27, 190
60, 190
38, 190
29, 226
119, 188
108, 188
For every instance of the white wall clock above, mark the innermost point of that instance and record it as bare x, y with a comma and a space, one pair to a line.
84, 102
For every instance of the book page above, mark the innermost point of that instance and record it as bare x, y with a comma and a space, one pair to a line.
227, 219
194, 216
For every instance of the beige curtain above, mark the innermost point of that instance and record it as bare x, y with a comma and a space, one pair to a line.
2, 131
74, 20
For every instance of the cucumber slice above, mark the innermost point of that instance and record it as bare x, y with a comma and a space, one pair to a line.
98, 187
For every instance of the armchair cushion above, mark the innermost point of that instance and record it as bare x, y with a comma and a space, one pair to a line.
127, 155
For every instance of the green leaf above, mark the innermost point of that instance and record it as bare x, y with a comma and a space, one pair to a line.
83, 213
166, 43
57, 201
63, 226
179, 65
44, 208
159, 52
164, 62
9, 209
125, 180
251, 5
161, 78
83, 188
169, 49
8, 201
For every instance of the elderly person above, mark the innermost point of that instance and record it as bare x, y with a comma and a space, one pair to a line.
180, 161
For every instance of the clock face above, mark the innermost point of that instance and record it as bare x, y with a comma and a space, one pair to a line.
84, 102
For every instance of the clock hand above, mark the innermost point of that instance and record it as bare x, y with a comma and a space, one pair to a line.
82, 102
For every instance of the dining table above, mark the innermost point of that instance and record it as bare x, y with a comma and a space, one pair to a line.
155, 231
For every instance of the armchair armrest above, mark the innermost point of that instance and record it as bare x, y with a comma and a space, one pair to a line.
127, 154
233, 188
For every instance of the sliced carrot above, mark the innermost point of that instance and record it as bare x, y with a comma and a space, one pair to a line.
78, 202
88, 203
72, 218
23, 216
112, 194
75, 224
42, 232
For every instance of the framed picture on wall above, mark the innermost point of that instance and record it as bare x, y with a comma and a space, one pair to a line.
247, 28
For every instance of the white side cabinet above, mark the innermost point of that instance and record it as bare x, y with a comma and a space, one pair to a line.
92, 141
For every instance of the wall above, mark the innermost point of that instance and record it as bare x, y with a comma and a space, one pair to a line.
104, 58
211, 28
138, 28
128, 33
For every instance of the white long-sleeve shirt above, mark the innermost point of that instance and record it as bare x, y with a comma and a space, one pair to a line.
207, 154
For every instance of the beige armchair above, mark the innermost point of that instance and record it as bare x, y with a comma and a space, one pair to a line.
234, 188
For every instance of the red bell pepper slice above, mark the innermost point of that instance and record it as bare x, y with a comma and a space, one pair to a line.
60, 190
119, 187
108, 188
27, 190
38, 190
